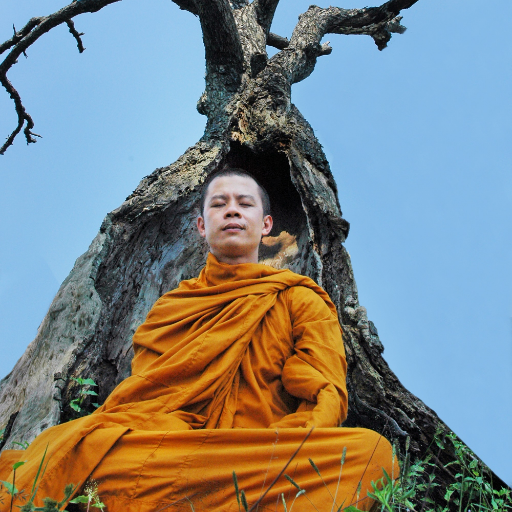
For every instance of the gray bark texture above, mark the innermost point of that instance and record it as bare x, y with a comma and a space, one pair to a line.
149, 244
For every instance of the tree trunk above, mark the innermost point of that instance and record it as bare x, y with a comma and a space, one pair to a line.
149, 244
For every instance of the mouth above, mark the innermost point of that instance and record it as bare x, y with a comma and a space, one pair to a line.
233, 227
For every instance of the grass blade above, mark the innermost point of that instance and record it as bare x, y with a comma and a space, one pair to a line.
343, 457
235, 480
244, 500
322, 478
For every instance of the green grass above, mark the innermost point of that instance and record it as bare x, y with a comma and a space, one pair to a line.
471, 490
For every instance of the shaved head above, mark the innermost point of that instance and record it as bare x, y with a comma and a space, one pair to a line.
235, 171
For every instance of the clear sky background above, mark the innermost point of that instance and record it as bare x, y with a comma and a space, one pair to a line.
418, 137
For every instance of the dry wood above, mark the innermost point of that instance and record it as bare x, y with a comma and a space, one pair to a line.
149, 244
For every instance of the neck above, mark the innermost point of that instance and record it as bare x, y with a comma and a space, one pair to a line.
236, 259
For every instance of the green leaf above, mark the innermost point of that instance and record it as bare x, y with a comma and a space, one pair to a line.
89, 392
80, 499
34, 486
68, 492
74, 405
23, 444
88, 382
9, 487
18, 464
386, 476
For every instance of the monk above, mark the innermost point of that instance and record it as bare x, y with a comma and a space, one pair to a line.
232, 371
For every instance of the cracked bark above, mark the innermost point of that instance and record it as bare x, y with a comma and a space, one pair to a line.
149, 244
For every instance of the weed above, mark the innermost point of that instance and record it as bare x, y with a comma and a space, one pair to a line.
49, 504
90, 496
85, 390
472, 490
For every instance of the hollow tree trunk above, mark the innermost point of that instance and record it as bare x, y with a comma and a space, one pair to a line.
149, 244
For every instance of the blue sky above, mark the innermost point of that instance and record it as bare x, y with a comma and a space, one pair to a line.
418, 138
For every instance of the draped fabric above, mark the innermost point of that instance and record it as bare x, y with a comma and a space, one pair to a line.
230, 372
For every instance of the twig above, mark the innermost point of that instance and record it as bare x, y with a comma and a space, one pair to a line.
269, 462
281, 472
181, 500
76, 35
18, 36
23, 116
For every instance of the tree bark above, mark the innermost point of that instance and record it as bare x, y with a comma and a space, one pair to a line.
149, 244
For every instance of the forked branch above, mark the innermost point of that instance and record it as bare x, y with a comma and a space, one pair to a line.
373, 21
27, 36
316, 22
18, 36
23, 117
223, 48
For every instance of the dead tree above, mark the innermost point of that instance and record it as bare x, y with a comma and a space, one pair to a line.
149, 244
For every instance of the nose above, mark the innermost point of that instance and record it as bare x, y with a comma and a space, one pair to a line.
232, 211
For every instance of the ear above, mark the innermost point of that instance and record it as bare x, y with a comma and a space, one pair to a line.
267, 225
200, 227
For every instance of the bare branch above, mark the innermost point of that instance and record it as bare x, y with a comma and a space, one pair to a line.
187, 5
377, 22
27, 36
276, 41
373, 21
23, 117
265, 10
76, 35
220, 35
18, 36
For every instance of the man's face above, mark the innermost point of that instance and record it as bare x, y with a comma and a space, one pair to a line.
233, 221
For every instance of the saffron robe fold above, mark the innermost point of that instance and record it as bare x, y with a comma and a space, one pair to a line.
230, 371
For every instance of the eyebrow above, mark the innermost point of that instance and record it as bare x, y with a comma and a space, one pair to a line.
239, 196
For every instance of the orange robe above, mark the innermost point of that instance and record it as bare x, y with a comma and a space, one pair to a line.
231, 371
